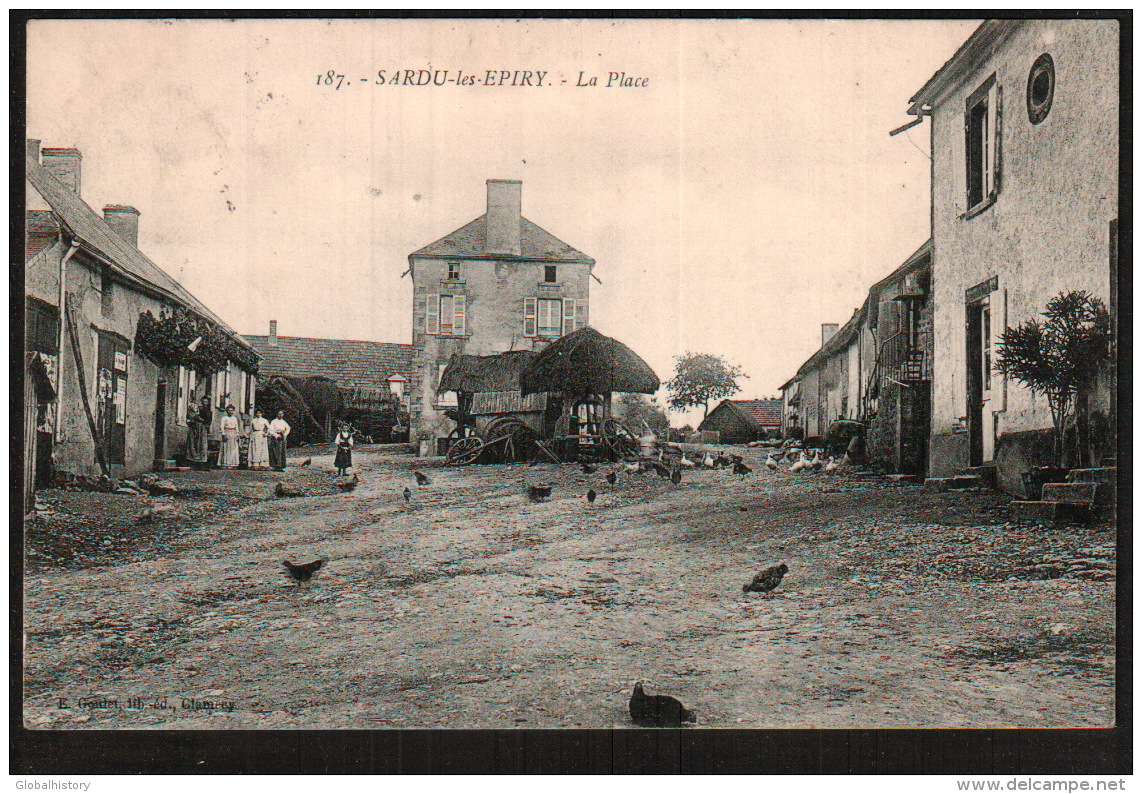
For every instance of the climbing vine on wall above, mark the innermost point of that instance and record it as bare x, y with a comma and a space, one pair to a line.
168, 338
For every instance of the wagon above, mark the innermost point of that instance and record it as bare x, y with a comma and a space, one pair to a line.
554, 404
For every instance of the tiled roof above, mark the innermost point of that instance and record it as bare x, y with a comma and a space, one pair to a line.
96, 235
471, 241
766, 413
347, 362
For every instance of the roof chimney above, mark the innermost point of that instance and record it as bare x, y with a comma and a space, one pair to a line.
33, 148
272, 341
63, 164
827, 331
504, 200
124, 221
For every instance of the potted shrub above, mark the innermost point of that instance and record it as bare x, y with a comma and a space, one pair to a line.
1059, 358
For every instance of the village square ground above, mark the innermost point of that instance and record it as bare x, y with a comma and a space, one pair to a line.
471, 606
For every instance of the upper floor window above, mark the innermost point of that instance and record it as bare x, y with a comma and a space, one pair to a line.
453, 271
446, 315
550, 320
981, 127
550, 274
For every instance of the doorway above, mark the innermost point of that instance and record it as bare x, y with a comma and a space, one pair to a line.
161, 420
979, 356
111, 390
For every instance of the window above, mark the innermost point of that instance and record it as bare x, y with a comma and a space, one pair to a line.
550, 317
549, 274
107, 297
41, 331
444, 399
185, 398
1040, 88
447, 315
453, 271
981, 126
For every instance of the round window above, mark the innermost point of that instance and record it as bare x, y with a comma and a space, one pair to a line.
1040, 88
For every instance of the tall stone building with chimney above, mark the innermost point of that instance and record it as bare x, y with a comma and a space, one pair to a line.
498, 283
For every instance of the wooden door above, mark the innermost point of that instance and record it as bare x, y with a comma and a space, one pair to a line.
161, 420
111, 396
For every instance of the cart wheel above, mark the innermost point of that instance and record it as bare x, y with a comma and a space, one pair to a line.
512, 438
463, 431
620, 439
464, 451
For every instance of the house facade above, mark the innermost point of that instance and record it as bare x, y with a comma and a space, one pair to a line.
828, 386
897, 393
87, 285
497, 284
1024, 140
741, 421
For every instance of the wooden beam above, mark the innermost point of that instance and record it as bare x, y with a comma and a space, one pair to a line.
100, 447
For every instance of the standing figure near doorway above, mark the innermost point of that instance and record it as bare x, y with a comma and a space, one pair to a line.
198, 420
259, 441
231, 428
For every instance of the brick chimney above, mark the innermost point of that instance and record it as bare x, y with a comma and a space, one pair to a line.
33, 148
124, 221
504, 200
64, 165
272, 340
827, 331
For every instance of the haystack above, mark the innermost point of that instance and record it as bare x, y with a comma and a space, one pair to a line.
496, 373
586, 362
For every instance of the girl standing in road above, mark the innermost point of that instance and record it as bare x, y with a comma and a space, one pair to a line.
230, 427
344, 458
279, 432
259, 441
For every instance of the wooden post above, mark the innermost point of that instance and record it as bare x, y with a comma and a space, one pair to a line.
100, 448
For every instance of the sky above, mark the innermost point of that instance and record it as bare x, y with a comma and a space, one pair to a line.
738, 192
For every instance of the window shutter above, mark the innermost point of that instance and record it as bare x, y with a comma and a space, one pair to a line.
432, 318
995, 131
568, 315
580, 313
529, 316
460, 314
998, 304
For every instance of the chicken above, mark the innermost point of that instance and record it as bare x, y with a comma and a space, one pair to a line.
767, 579
283, 491
422, 479
635, 468
831, 466
346, 486
660, 470
611, 477
721, 462
587, 468
538, 492
741, 469
770, 463
736, 459
303, 573
676, 476
658, 711
591, 495
307, 461
150, 514
407, 494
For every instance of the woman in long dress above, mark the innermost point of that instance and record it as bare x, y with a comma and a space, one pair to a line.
344, 459
279, 432
259, 441
230, 427
198, 429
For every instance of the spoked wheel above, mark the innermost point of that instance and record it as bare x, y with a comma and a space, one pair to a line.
464, 451
620, 439
513, 440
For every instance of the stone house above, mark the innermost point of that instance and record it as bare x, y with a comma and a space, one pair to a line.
86, 285
1025, 152
827, 387
897, 393
741, 421
497, 284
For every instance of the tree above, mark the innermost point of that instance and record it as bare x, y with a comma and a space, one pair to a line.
1060, 357
699, 378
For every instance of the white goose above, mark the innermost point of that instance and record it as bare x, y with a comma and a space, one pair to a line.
800, 463
831, 466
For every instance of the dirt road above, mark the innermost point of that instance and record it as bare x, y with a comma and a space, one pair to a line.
470, 606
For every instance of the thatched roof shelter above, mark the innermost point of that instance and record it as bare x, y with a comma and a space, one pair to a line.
585, 361
485, 373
